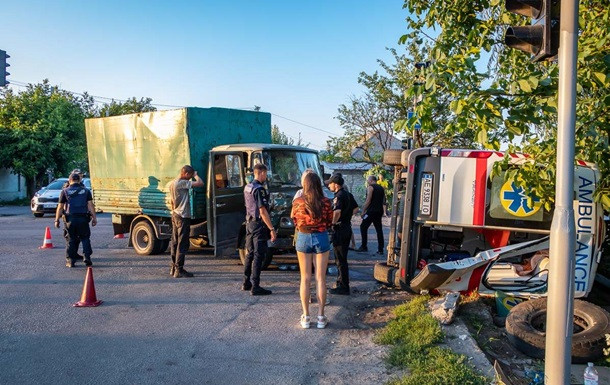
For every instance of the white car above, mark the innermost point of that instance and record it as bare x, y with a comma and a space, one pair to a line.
45, 200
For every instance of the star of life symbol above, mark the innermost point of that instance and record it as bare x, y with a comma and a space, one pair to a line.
515, 200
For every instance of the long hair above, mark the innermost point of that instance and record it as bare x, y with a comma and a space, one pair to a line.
312, 193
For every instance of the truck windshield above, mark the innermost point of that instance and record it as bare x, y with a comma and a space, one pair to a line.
285, 167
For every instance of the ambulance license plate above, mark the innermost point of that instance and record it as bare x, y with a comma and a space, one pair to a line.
425, 202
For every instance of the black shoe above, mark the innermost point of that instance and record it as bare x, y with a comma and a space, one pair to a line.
362, 249
80, 257
180, 273
379, 252
340, 290
247, 286
69, 262
88, 261
259, 291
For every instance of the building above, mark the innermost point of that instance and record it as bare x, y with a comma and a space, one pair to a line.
12, 186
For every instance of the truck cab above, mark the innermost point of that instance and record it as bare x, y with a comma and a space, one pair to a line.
230, 169
457, 227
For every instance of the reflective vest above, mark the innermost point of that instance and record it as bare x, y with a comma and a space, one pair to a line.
77, 199
252, 211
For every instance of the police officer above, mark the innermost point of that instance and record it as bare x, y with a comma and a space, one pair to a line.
79, 257
372, 211
344, 205
258, 230
76, 204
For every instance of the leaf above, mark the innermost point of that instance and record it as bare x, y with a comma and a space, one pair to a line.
524, 85
601, 77
482, 136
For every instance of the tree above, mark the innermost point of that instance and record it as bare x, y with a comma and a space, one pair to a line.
129, 106
278, 137
383, 112
504, 97
41, 129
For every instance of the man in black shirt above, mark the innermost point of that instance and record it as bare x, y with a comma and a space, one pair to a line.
344, 205
372, 213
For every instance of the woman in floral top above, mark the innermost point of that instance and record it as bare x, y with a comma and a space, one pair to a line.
312, 215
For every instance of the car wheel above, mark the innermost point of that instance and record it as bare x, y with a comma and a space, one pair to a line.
39, 215
526, 328
143, 238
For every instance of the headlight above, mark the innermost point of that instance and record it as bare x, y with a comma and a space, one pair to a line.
286, 222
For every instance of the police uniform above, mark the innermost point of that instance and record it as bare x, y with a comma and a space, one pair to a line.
257, 233
76, 198
342, 235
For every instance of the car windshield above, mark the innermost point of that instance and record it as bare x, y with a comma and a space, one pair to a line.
87, 183
285, 167
56, 185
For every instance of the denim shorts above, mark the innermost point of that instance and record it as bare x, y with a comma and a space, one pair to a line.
314, 243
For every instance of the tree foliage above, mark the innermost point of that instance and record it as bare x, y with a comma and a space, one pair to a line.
41, 129
370, 121
129, 106
278, 137
504, 97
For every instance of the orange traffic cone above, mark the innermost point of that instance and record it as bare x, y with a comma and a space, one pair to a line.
119, 236
47, 243
88, 297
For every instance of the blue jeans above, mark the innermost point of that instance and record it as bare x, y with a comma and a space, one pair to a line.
312, 243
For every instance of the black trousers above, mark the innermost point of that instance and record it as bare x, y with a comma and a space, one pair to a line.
77, 230
375, 219
181, 229
257, 235
341, 240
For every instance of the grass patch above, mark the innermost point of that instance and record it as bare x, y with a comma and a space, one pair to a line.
413, 335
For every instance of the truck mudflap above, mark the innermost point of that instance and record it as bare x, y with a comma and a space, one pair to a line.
465, 275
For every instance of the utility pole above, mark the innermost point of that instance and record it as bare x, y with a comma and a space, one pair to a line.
560, 300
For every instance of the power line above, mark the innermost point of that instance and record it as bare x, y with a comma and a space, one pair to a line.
303, 124
103, 99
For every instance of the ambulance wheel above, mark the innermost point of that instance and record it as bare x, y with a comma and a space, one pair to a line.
143, 238
384, 273
526, 328
392, 157
266, 261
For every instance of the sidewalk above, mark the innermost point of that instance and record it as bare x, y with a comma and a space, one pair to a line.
6, 211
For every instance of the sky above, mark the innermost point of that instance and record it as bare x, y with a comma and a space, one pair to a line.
298, 60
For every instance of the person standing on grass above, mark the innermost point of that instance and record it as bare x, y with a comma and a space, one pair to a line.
312, 215
372, 212
181, 218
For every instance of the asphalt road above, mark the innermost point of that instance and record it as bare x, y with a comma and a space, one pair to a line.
155, 329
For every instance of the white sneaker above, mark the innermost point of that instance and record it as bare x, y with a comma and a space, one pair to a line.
305, 321
322, 321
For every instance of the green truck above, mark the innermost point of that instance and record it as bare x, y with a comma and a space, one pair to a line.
133, 159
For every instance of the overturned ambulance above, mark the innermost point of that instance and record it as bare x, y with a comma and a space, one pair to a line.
456, 228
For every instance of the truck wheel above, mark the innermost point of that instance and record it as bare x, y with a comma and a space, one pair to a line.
392, 157
143, 238
526, 328
384, 273
266, 260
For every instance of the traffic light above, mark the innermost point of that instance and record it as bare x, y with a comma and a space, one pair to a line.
541, 38
3, 65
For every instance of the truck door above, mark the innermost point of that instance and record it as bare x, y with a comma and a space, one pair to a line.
225, 190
